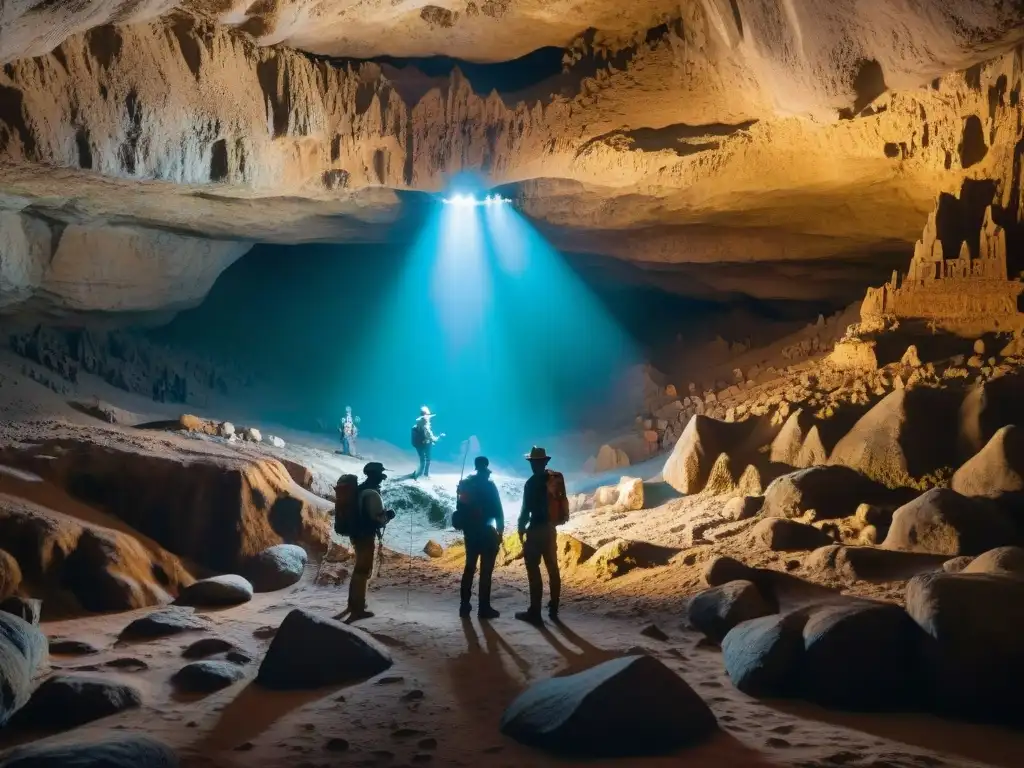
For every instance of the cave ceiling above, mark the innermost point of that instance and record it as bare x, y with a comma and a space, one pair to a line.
770, 148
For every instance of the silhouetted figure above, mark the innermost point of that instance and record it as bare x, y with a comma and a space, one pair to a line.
478, 514
349, 432
423, 439
366, 527
539, 537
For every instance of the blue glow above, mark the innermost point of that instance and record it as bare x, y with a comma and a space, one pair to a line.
489, 326
471, 201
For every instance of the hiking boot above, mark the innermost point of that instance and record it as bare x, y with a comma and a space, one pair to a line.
531, 617
465, 609
488, 613
360, 615
553, 611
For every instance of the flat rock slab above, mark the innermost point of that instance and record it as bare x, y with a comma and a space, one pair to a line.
208, 646
217, 591
125, 752
276, 567
72, 648
162, 623
626, 707
717, 610
311, 651
67, 701
207, 676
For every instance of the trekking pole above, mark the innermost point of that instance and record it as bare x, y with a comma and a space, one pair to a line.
465, 455
408, 570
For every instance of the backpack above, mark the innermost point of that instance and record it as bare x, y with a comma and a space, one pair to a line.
558, 500
419, 439
468, 513
346, 505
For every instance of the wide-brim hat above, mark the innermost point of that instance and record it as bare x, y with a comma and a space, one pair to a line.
424, 411
537, 454
374, 468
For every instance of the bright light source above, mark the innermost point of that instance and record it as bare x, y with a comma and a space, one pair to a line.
469, 201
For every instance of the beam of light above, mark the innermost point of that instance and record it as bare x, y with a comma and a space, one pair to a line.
488, 325
471, 201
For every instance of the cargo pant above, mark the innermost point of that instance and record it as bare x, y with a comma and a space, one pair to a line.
542, 544
365, 549
483, 546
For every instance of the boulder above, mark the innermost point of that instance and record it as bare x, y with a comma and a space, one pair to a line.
10, 574
275, 441
208, 646
117, 752
72, 648
24, 608
908, 434
782, 535
723, 569
974, 658
206, 676
742, 507
957, 564
206, 505
433, 549
162, 623
22, 649
1007, 561
621, 556
717, 610
276, 567
627, 707
869, 563
309, 651
572, 552
67, 701
628, 494
943, 522
794, 446
832, 492
997, 469
252, 434
987, 407
703, 440
817, 652
216, 591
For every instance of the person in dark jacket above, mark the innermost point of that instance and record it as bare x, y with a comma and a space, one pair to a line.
369, 520
483, 523
540, 539
423, 441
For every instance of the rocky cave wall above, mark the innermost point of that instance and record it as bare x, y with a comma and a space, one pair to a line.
719, 135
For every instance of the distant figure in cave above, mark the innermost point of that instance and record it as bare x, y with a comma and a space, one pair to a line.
367, 525
423, 439
478, 514
349, 432
539, 538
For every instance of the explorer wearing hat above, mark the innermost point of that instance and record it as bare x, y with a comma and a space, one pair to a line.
423, 439
478, 514
367, 525
539, 538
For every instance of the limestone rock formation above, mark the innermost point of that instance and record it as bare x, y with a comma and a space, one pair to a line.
162, 623
832, 492
742, 507
275, 568
111, 752
717, 610
1003, 561
997, 469
783, 535
852, 563
216, 590
22, 649
943, 522
621, 556
309, 651
689, 467
67, 701
626, 707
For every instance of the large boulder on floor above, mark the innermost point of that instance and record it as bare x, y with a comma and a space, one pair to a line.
717, 610
205, 503
782, 535
943, 522
26, 608
703, 440
907, 435
974, 657
103, 569
301, 474
67, 701
742, 507
228, 589
832, 492
275, 568
818, 653
627, 707
628, 494
572, 552
206, 676
10, 574
997, 470
987, 407
1005, 561
22, 649
619, 557
311, 651
849, 563
163, 623
117, 752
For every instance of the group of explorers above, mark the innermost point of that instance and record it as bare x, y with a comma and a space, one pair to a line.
423, 438
360, 515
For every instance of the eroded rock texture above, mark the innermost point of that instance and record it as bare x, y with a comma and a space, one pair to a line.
710, 134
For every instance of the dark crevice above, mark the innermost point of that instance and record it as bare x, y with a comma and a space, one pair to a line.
972, 147
184, 31
959, 219
219, 160
269, 73
84, 148
127, 152
680, 138
380, 165
104, 44
868, 84
12, 122
736, 17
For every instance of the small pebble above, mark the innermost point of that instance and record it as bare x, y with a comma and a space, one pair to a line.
336, 745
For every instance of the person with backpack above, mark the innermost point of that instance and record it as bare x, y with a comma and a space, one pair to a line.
349, 430
478, 514
423, 439
360, 515
545, 506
